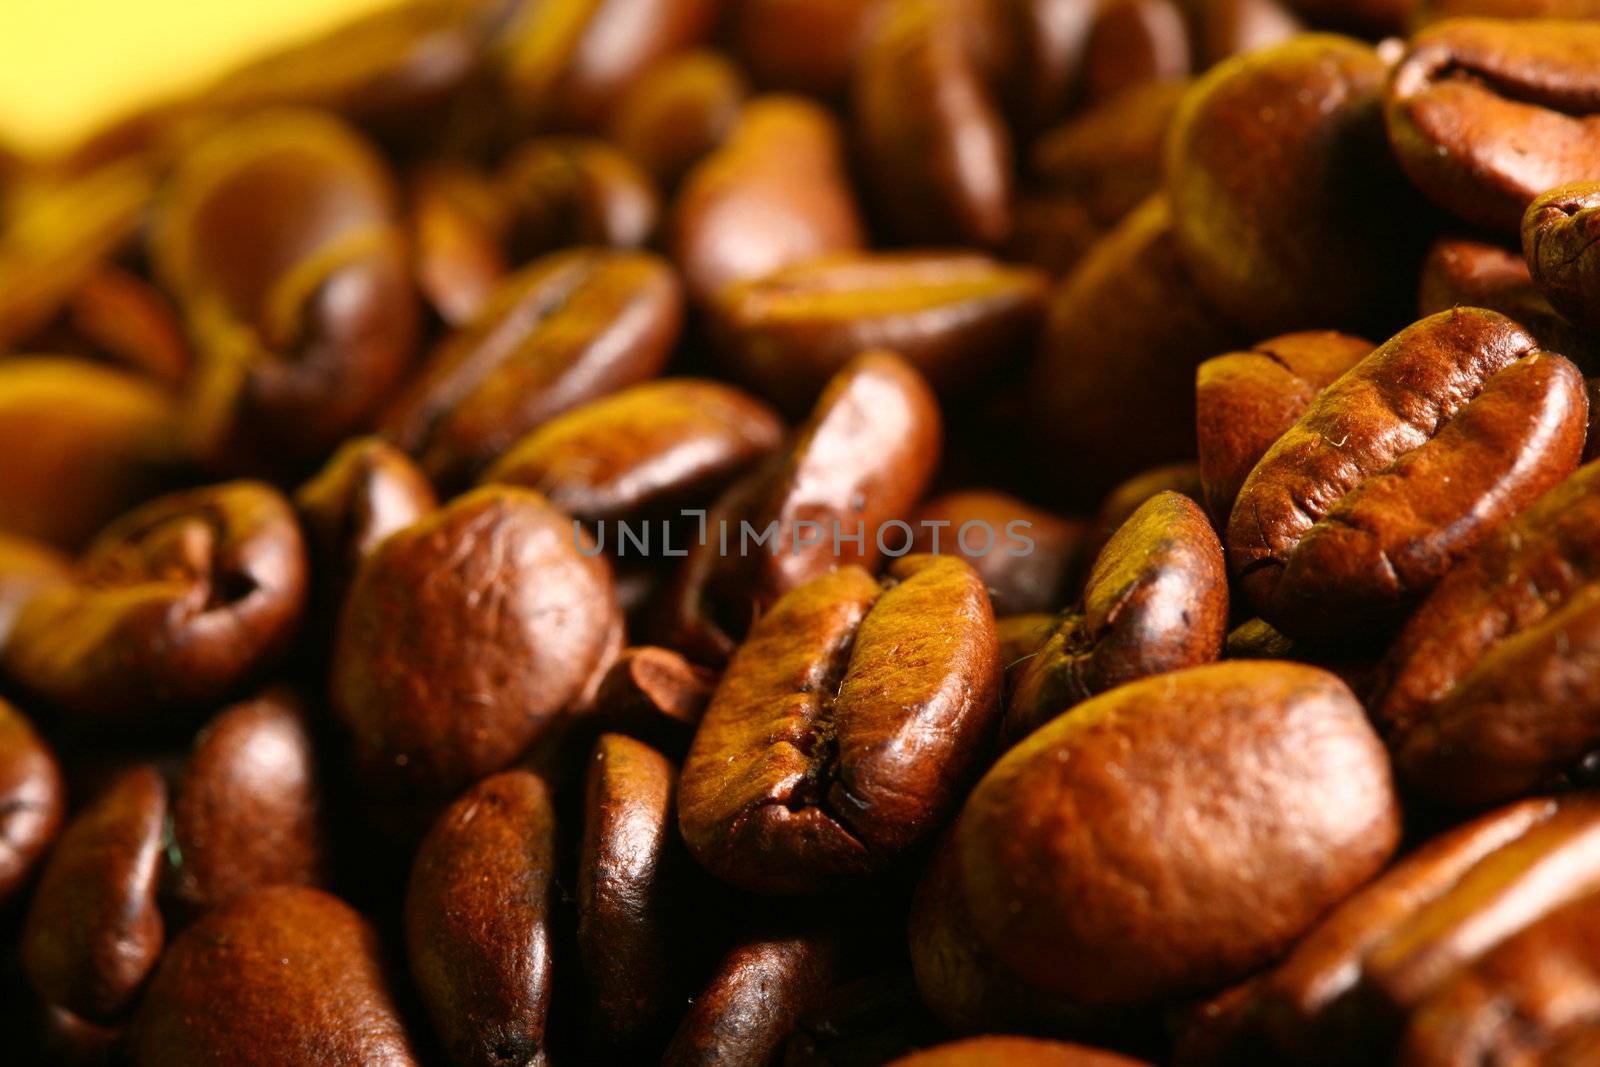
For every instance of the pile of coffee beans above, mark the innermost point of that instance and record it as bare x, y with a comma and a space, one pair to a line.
814, 533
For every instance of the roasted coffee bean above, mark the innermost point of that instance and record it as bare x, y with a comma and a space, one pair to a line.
1013, 1052
644, 451
756, 993
843, 728
866, 1020
1400, 469
1156, 601
1463, 272
1029, 559
1126, 330
437, 691
477, 921
1090, 840
26, 568
32, 800
106, 434
1230, 27
123, 318
1344, 993
281, 977
572, 327
94, 931
807, 46
679, 113
1485, 115
174, 606
933, 144
564, 191
653, 694
1245, 401
247, 812
300, 340
1489, 691
1558, 234
958, 318
1120, 504
457, 223
625, 868
567, 63
1287, 205
1133, 42
773, 195
857, 465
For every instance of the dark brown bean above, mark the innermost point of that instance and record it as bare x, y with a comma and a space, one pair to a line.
33, 800
457, 222
1029, 559
299, 341
464, 637
94, 932
807, 46
1120, 504
653, 694
624, 875
280, 978
1156, 601
775, 194
678, 113
1485, 115
957, 317
564, 191
572, 327
1245, 401
643, 451
1189, 826
1430, 11
477, 921
174, 606
844, 727
1400, 469
126, 319
1135, 41
1558, 237
247, 812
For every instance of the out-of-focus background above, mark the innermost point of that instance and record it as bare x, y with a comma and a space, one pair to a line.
68, 66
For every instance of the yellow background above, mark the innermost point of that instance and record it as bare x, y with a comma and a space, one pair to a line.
68, 65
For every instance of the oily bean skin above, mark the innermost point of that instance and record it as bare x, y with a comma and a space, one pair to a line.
774, 194
66, 422
32, 800
843, 728
643, 451
861, 460
1485, 115
567, 63
1542, 980
1401, 468
1559, 233
566, 191
477, 916
1288, 208
1156, 601
437, 691
247, 812
1029, 559
933, 144
678, 113
1244, 401
955, 316
756, 994
1126, 330
94, 931
299, 341
1013, 1052
173, 607
1489, 687
624, 875
574, 326
1065, 865
281, 977
1344, 992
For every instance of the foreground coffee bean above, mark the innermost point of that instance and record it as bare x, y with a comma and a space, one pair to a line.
1487, 695
94, 932
281, 977
477, 921
1138, 870
32, 800
822, 757
173, 606
1361, 507
435, 693
1156, 601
